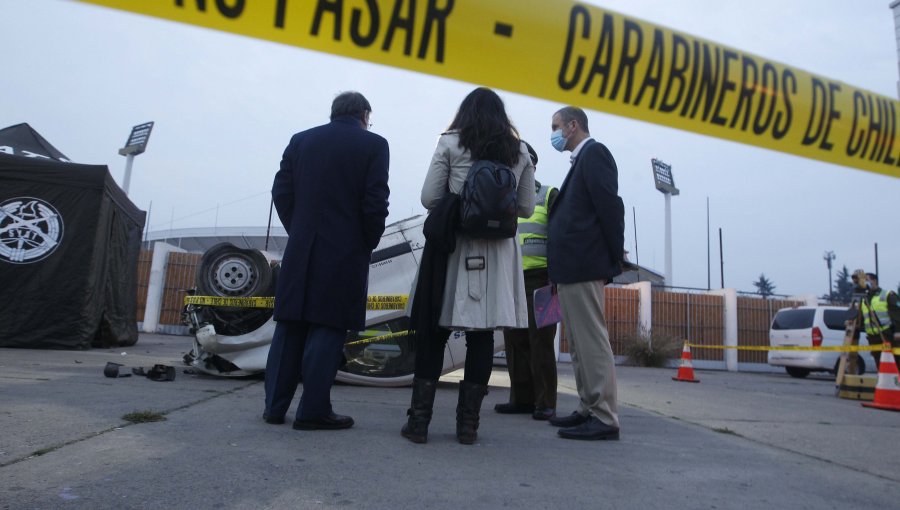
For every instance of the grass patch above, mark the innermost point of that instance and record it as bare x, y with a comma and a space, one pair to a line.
144, 416
654, 350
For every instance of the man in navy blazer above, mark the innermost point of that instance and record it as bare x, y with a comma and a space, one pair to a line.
331, 195
586, 248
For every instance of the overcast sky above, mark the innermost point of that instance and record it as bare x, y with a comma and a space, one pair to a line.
225, 106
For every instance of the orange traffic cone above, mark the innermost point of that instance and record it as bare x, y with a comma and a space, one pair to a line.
686, 369
887, 389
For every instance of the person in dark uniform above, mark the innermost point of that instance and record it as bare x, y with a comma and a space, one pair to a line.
530, 353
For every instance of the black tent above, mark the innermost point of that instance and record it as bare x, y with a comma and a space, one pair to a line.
69, 245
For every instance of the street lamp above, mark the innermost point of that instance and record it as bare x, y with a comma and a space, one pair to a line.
136, 144
829, 256
665, 183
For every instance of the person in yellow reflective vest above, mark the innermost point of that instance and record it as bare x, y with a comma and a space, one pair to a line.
530, 353
880, 310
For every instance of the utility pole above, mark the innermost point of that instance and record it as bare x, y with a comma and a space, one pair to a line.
828, 257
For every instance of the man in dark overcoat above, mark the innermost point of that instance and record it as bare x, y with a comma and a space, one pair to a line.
331, 195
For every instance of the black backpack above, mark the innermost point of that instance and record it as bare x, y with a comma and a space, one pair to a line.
488, 206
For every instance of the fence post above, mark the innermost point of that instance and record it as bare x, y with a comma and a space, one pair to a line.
156, 285
645, 307
730, 326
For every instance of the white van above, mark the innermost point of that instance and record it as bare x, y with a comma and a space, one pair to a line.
810, 326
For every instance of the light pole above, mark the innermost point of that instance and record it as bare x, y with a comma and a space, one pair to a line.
829, 256
136, 144
665, 183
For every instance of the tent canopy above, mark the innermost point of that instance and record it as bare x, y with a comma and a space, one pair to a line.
69, 244
23, 140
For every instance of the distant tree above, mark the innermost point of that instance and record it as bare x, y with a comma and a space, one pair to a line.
764, 286
843, 287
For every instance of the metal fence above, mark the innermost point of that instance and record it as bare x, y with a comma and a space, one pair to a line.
698, 318
754, 319
685, 314
181, 274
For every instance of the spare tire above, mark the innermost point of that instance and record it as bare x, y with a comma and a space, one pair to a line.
228, 271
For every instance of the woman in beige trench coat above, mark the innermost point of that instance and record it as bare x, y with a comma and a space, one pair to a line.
477, 301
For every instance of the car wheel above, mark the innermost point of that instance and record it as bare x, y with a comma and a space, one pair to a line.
797, 372
228, 271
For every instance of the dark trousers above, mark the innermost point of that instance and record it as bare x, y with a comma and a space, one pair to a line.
479, 355
530, 355
313, 350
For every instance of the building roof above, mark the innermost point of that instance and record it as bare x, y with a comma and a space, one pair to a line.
198, 240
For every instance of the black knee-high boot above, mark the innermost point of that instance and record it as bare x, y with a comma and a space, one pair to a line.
419, 412
467, 411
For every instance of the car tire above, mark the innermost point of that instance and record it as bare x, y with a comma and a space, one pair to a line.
797, 372
228, 271
252, 273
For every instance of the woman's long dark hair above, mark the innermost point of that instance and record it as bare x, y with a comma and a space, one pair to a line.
485, 129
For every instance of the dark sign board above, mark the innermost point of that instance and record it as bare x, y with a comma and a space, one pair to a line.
137, 140
662, 175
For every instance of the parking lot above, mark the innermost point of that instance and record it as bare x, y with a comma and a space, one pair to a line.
735, 440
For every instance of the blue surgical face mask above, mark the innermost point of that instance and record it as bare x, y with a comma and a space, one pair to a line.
557, 140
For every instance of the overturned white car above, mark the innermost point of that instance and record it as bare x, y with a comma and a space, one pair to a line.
234, 340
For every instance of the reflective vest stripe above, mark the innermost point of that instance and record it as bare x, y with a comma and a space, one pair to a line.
533, 228
537, 249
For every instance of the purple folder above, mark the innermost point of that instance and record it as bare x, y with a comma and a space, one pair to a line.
546, 306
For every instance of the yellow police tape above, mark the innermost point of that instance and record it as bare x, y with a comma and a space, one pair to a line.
839, 348
381, 338
586, 55
378, 302
235, 302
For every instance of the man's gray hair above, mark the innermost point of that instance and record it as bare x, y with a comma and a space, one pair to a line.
570, 113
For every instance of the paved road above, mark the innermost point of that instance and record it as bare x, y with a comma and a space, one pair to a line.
736, 440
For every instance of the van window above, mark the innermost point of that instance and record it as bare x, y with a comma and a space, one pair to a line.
835, 319
794, 319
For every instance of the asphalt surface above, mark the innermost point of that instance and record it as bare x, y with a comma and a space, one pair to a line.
735, 440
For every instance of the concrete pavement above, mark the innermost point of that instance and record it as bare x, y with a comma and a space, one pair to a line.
736, 440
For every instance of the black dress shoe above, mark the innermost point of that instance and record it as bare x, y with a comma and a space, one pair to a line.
329, 422
273, 420
591, 430
513, 408
543, 414
568, 421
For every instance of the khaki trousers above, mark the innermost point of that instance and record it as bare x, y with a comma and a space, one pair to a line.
592, 356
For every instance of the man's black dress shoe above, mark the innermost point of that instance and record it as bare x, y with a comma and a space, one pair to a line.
329, 422
543, 414
273, 420
513, 408
592, 430
568, 421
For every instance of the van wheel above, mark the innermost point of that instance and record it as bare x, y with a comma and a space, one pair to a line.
860, 366
797, 372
